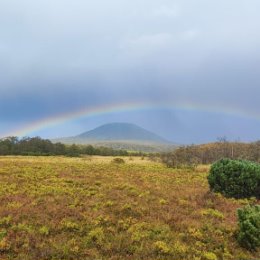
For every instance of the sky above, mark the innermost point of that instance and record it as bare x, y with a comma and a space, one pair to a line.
186, 70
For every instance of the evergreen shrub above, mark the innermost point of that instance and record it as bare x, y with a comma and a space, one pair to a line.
235, 178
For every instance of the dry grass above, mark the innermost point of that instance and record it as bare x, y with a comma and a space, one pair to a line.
89, 208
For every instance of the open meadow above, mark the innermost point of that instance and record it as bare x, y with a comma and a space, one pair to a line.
89, 208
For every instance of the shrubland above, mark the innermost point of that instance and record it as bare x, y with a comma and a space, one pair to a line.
92, 208
192, 155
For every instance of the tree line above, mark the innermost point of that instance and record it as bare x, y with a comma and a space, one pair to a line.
38, 146
193, 155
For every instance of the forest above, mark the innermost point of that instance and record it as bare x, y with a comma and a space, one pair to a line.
44, 147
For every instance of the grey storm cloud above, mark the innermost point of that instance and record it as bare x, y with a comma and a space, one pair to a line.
60, 55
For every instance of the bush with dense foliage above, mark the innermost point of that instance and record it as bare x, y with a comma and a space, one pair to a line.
249, 227
235, 178
118, 161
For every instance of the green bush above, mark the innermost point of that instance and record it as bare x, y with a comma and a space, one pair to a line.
249, 227
235, 178
118, 161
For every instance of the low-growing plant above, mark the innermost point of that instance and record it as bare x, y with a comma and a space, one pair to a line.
212, 213
44, 231
4, 245
235, 178
96, 236
5, 221
209, 256
249, 227
69, 225
118, 161
163, 201
161, 247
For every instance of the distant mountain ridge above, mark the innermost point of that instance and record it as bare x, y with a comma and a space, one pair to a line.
121, 136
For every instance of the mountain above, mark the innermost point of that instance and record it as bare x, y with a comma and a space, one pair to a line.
121, 131
121, 136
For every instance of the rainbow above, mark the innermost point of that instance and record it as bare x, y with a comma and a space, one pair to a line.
88, 112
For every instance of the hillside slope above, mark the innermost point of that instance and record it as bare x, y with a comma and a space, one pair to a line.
121, 136
121, 131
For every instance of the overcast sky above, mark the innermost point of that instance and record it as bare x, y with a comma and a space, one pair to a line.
63, 55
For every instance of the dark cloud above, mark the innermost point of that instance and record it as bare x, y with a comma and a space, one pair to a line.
60, 56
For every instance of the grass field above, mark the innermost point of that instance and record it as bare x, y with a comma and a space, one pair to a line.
89, 208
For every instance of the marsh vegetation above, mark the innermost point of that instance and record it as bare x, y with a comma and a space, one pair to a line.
91, 208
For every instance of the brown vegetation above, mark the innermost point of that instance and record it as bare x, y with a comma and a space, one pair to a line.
193, 155
74, 208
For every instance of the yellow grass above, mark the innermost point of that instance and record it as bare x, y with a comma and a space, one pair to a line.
89, 208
